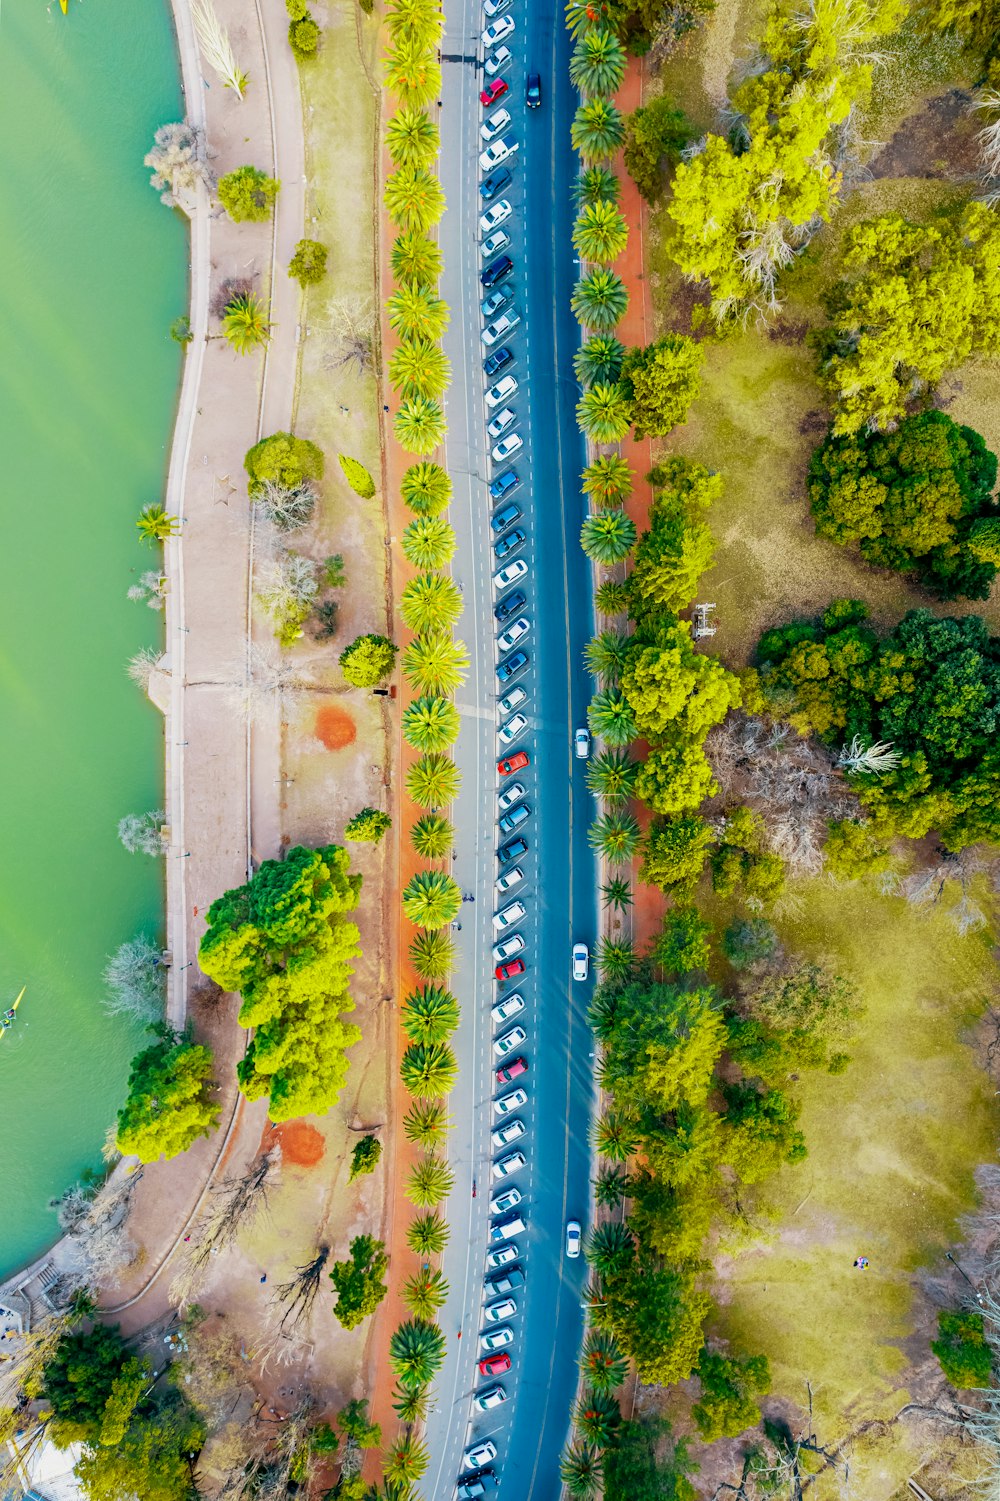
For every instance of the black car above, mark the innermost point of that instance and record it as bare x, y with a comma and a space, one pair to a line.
496, 271
504, 484
533, 91
509, 543
510, 604
505, 518
494, 184
473, 1487
497, 361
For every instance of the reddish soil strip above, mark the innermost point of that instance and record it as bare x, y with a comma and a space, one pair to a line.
301, 1144
335, 727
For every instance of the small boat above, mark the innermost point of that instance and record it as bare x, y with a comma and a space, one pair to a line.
64, 7
7, 1020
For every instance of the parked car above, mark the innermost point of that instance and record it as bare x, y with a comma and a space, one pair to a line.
497, 213
492, 1397
581, 961
497, 31
508, 1072
517, 815
500, 327
512, 850
498, 58
513, 944
494, 302
508, 1132
497, 271
505, 517
475, 1487
497, 152
517, 762
507, 1228
497, 489
495, 1365
502, 451
512, 727
506, 608
503, 1255
509, 879
495, 124
512, 1163
505, 1283
533, 91
494, 184
509, 1198
512, 913
494, 8
508, 1007
480, 1454
510, 970
497, 361
573, 1238
513, 633
509, 575
515, 663
509, 543
514, 1036
501, 422
581, 743
503, 389
498, 240
494, 90
495, 1339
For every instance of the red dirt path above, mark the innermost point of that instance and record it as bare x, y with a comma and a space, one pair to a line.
301, 1144
335, 727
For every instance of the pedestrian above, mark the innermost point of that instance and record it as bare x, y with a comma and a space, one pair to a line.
187, 1237
861, 1263
264, 1277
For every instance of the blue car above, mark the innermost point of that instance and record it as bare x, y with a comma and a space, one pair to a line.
494, 184
504, 484
516, 662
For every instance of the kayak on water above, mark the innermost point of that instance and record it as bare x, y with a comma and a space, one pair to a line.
7, 1019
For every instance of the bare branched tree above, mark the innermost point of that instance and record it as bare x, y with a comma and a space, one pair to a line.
351, 321
141, 664
179, 160
234, 1204
875, 758
265, 675
946, 885
140, 832
299, 1294
284, 507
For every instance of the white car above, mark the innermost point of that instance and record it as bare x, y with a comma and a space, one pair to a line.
509, 796
508, 1007
512, 1163
480, 1454
502, 451
511, 1039
498, 240
494, 124
512, 913
507, 947
505, 1308
512, 1100
497, 32
498, 152
501, 422
495, 215
510, 574
508, 1132
510, 878
511, 700
508, 638
492, 1397
508, 1198
510, 731
581, 744
498, 58
503, 388
501, 326
494, 8
573, 1236
495, 1339
581, 961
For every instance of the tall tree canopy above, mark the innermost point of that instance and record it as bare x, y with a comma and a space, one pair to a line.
168, 1105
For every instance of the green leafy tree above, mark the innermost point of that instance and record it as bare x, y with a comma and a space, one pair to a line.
127, 1392
611, 718
432, 955
430, 1181
367, 826
414, 199
365, 1157
800, 1016
963, 1351
608, 536
678, 547
78, 1380
245, 323
977, 22
427, 1235
608, 480
303, 37
282, 460
604, 414
428, 1070
433, 781
430, 602
761, 1133
358, 1282
432, 836
425, 1292
611, 775
641, 1467
308, 263
152, 1459
357, 1426
357, 476
416, 1352
430, 724
432, 899
674, 854
855, 848
598, 130
600, 300
675, 777
430, 1015
368, 660
658, 1316
655, 135
726, 1406
435, 663
599, 359
169, 1103
741, 859
672, 688
248, 194
418, 367
416, 259
615, 836
428, 542
426, 489
601, 232
660, 381
412, 138
683, 946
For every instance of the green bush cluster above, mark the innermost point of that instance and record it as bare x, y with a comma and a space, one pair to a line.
248, 194
303, 30
308, 263
169, 1102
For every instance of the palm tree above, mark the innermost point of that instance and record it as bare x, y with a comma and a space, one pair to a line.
435, 663
411, 72
600, 300
415, 258
610, 1248
425, 1292
428, 542
432, 955
426, 488
612, 775
245, 323
610, 1187
430, 724
601, 232
580, 1471
612, 598
432, 835
426, 1123
412, 138
616, 958
432, 899
608, 536
411, 1405
610, 717
599, 359
430, 1181
598, 1418
155, 525
596, 185
417, 367
431, 602
406, 1461
604, 413
430, 1015
616, 1135
613, 835
598, 130
598, 62
608, 480
605, 1013
602, 1363
428, 1071
605, 656
419, 425
417, 312
617, 893
413, 198
416, 1352
428, 1235
581, 15
415, 20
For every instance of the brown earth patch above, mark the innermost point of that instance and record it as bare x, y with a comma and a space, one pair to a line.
301, 1144
939, 141
335, 727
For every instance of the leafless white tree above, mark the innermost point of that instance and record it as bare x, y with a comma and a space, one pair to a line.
179, 160
140, 832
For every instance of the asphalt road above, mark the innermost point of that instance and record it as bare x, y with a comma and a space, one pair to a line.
559, 893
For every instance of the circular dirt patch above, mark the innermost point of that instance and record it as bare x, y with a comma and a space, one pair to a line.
335, 727
301, 1144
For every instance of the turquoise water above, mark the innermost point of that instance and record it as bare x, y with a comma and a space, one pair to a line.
92, 271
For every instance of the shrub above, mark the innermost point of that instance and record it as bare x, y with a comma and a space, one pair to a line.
368, 660
660, 381
365, 1157
308, 263
965, 1357
303, 37
749, 941
282, 460
248, 194
357, 476
655, 135
367, 827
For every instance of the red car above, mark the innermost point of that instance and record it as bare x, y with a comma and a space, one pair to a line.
513, 763
494, 90
508, 971
495, 1365
511, 1070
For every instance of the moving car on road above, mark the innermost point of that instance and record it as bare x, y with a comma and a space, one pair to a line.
517, 762
513, 912
492, 1397
495, 124
581, 961
508, 1007
495, 214
581, 743
533, 91
573, 1238
512, 1100
495, 1365
508, 446
494, 90
508, 1132
513, 1037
